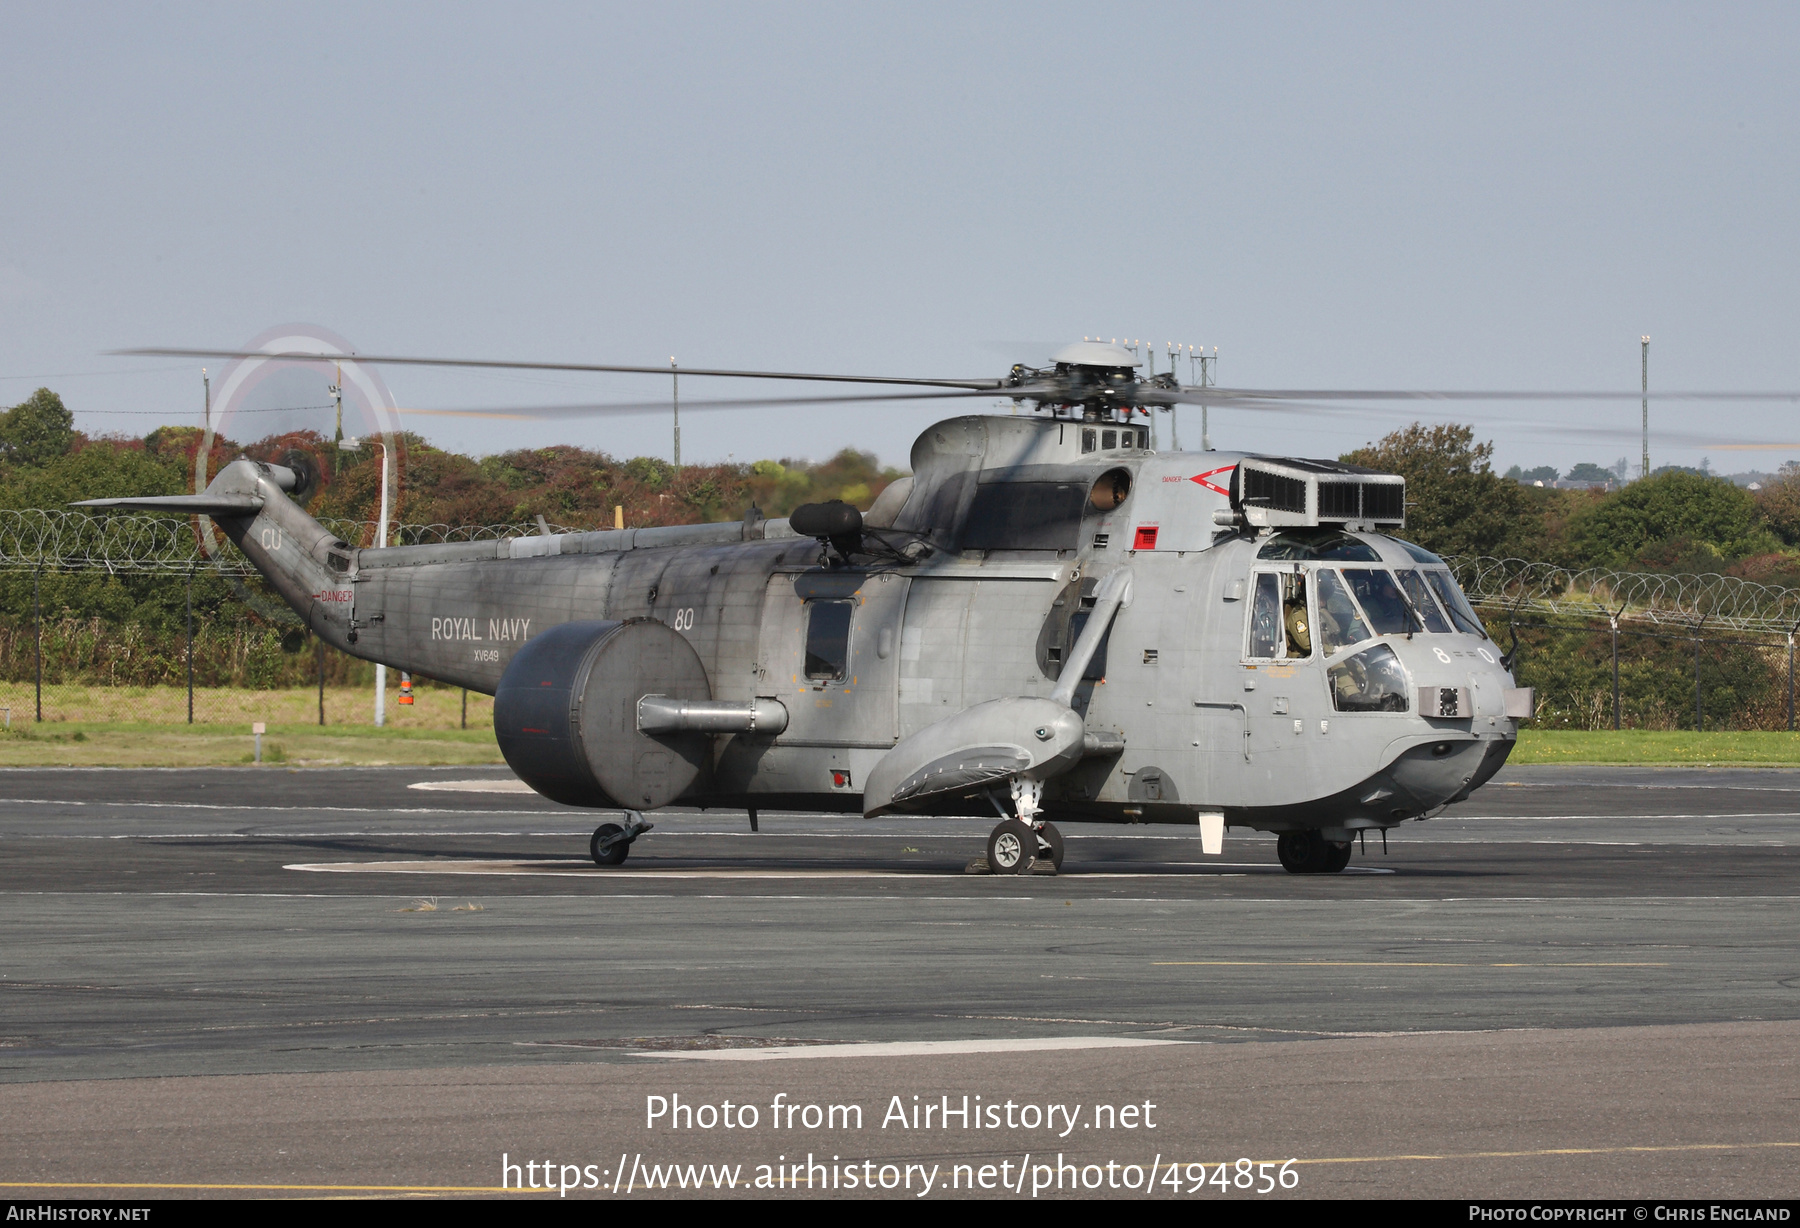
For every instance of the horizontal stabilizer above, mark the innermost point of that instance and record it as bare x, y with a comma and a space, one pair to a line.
183, 505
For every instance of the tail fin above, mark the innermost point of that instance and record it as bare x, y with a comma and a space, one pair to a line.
302, 559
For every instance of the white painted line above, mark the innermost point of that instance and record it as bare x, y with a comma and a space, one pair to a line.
259, 808
913, 1048
474, 786
585, 869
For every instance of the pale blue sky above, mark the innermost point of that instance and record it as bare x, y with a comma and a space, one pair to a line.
1439, 195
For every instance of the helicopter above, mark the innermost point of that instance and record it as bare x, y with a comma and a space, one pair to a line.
1049, 618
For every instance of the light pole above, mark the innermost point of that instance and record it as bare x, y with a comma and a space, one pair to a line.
381, 532
675, 378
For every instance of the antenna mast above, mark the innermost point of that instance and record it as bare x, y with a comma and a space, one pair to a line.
1645, 343
1208, 379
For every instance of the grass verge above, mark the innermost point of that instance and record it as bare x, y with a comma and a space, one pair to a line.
128, 744
1655, 747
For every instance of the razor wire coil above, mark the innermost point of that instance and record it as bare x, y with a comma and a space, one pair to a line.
67, 539
1692, 603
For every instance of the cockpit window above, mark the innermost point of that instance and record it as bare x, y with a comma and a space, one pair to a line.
1340, 625
1323, 546
1375, 590
1419, 553
1371, 681
1279, 623
1420, 593
1265, 617
1454, 601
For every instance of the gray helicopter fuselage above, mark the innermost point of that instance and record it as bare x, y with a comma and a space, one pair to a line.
1195, 702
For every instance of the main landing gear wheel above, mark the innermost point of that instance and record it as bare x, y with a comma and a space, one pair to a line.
1011, 848
1307, 852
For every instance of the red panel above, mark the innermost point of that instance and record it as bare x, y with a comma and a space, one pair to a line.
1145, 538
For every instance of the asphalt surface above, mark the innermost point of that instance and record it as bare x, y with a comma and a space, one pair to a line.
1581, 981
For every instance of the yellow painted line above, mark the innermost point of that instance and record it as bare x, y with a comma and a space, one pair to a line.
1374, 963
1547, 1151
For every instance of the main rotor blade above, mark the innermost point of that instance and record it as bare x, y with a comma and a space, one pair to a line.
627, 408
1051, 391
1253, 396
296, 356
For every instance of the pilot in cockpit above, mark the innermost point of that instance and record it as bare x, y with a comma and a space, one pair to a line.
1299, 629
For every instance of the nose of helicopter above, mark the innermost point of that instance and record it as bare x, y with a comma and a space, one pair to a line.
1462, 693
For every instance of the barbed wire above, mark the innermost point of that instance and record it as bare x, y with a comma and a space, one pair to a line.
1681, 602
69, 539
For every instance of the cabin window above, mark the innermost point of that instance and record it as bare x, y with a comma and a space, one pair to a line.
1087, 439
1109, 440
828, 639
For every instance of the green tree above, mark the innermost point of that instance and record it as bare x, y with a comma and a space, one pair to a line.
1456, 503
37, 430
1673, 519
1588, 471
99, 470
1778, 503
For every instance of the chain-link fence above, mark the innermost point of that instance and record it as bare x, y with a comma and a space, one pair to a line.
142, 618
133, 618
1641, 650
91, 665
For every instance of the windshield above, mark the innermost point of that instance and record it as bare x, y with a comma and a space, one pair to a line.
1339, 625
1420, 594
1456, 603
1380, 599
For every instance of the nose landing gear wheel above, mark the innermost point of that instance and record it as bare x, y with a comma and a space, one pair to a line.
1052, 845
1011, 847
